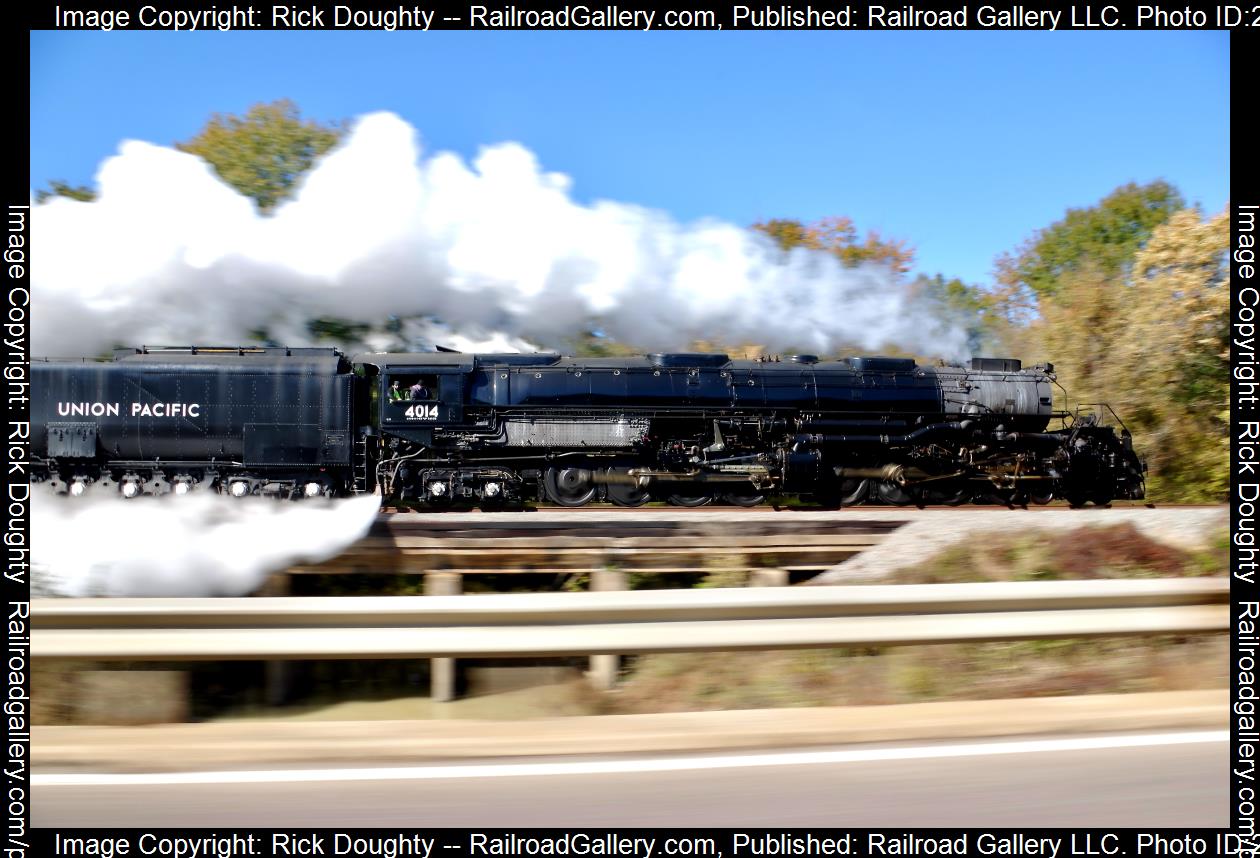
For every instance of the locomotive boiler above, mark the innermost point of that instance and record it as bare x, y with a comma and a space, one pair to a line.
498, 430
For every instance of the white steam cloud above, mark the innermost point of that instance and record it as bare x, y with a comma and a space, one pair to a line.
495, 255
197, 545
496, 250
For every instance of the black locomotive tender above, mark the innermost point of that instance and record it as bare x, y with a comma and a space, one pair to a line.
499, 429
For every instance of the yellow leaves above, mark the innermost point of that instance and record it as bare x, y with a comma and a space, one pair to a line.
839, 237
1155, 345
734, 350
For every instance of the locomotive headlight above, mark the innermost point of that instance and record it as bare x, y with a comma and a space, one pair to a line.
312, 489
130, 489
182, 488
239, 489
77, 488
437, 488
491, 490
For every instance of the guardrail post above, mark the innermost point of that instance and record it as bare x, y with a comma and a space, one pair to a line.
277, 675
442, 670
604, 667
768, 578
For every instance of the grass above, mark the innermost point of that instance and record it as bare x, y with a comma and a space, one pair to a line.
1037, 668
1085, 553
853, 677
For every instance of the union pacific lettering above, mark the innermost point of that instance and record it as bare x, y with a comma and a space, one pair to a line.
138, 409
165, 409
87, 409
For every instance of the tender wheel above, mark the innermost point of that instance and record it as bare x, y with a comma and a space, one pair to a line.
569, 486
624, 494
1041, 499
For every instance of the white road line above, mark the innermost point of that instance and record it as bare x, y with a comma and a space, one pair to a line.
631, 766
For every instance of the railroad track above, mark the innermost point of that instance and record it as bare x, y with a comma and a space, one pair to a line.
651, 540
656, 541
878, 510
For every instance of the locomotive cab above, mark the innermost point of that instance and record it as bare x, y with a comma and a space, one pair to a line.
421, 397
420, 405
417, 391
403, 391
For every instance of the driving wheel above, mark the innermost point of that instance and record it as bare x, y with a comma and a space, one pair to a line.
626, 494
569, 486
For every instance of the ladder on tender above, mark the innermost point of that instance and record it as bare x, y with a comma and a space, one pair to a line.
361, 464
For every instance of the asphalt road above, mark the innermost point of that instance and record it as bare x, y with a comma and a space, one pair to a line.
1164, 780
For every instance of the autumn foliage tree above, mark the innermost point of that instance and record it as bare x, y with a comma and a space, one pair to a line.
264, 153
1150, 338
974, 308
1172, 364
1078, 329
839, 237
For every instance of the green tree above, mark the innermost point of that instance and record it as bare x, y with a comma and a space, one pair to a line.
1103, 238
974, 308
264, 153
839, 237
64, 189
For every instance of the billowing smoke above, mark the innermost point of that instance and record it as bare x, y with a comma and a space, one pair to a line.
497, 251
197, 545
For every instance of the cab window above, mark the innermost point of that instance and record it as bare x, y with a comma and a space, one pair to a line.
412, 388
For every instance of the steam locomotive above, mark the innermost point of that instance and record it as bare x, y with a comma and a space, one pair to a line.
497, 430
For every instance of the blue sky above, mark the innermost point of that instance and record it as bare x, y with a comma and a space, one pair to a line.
961, 143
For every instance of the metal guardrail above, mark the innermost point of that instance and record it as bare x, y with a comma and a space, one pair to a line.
538, 624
